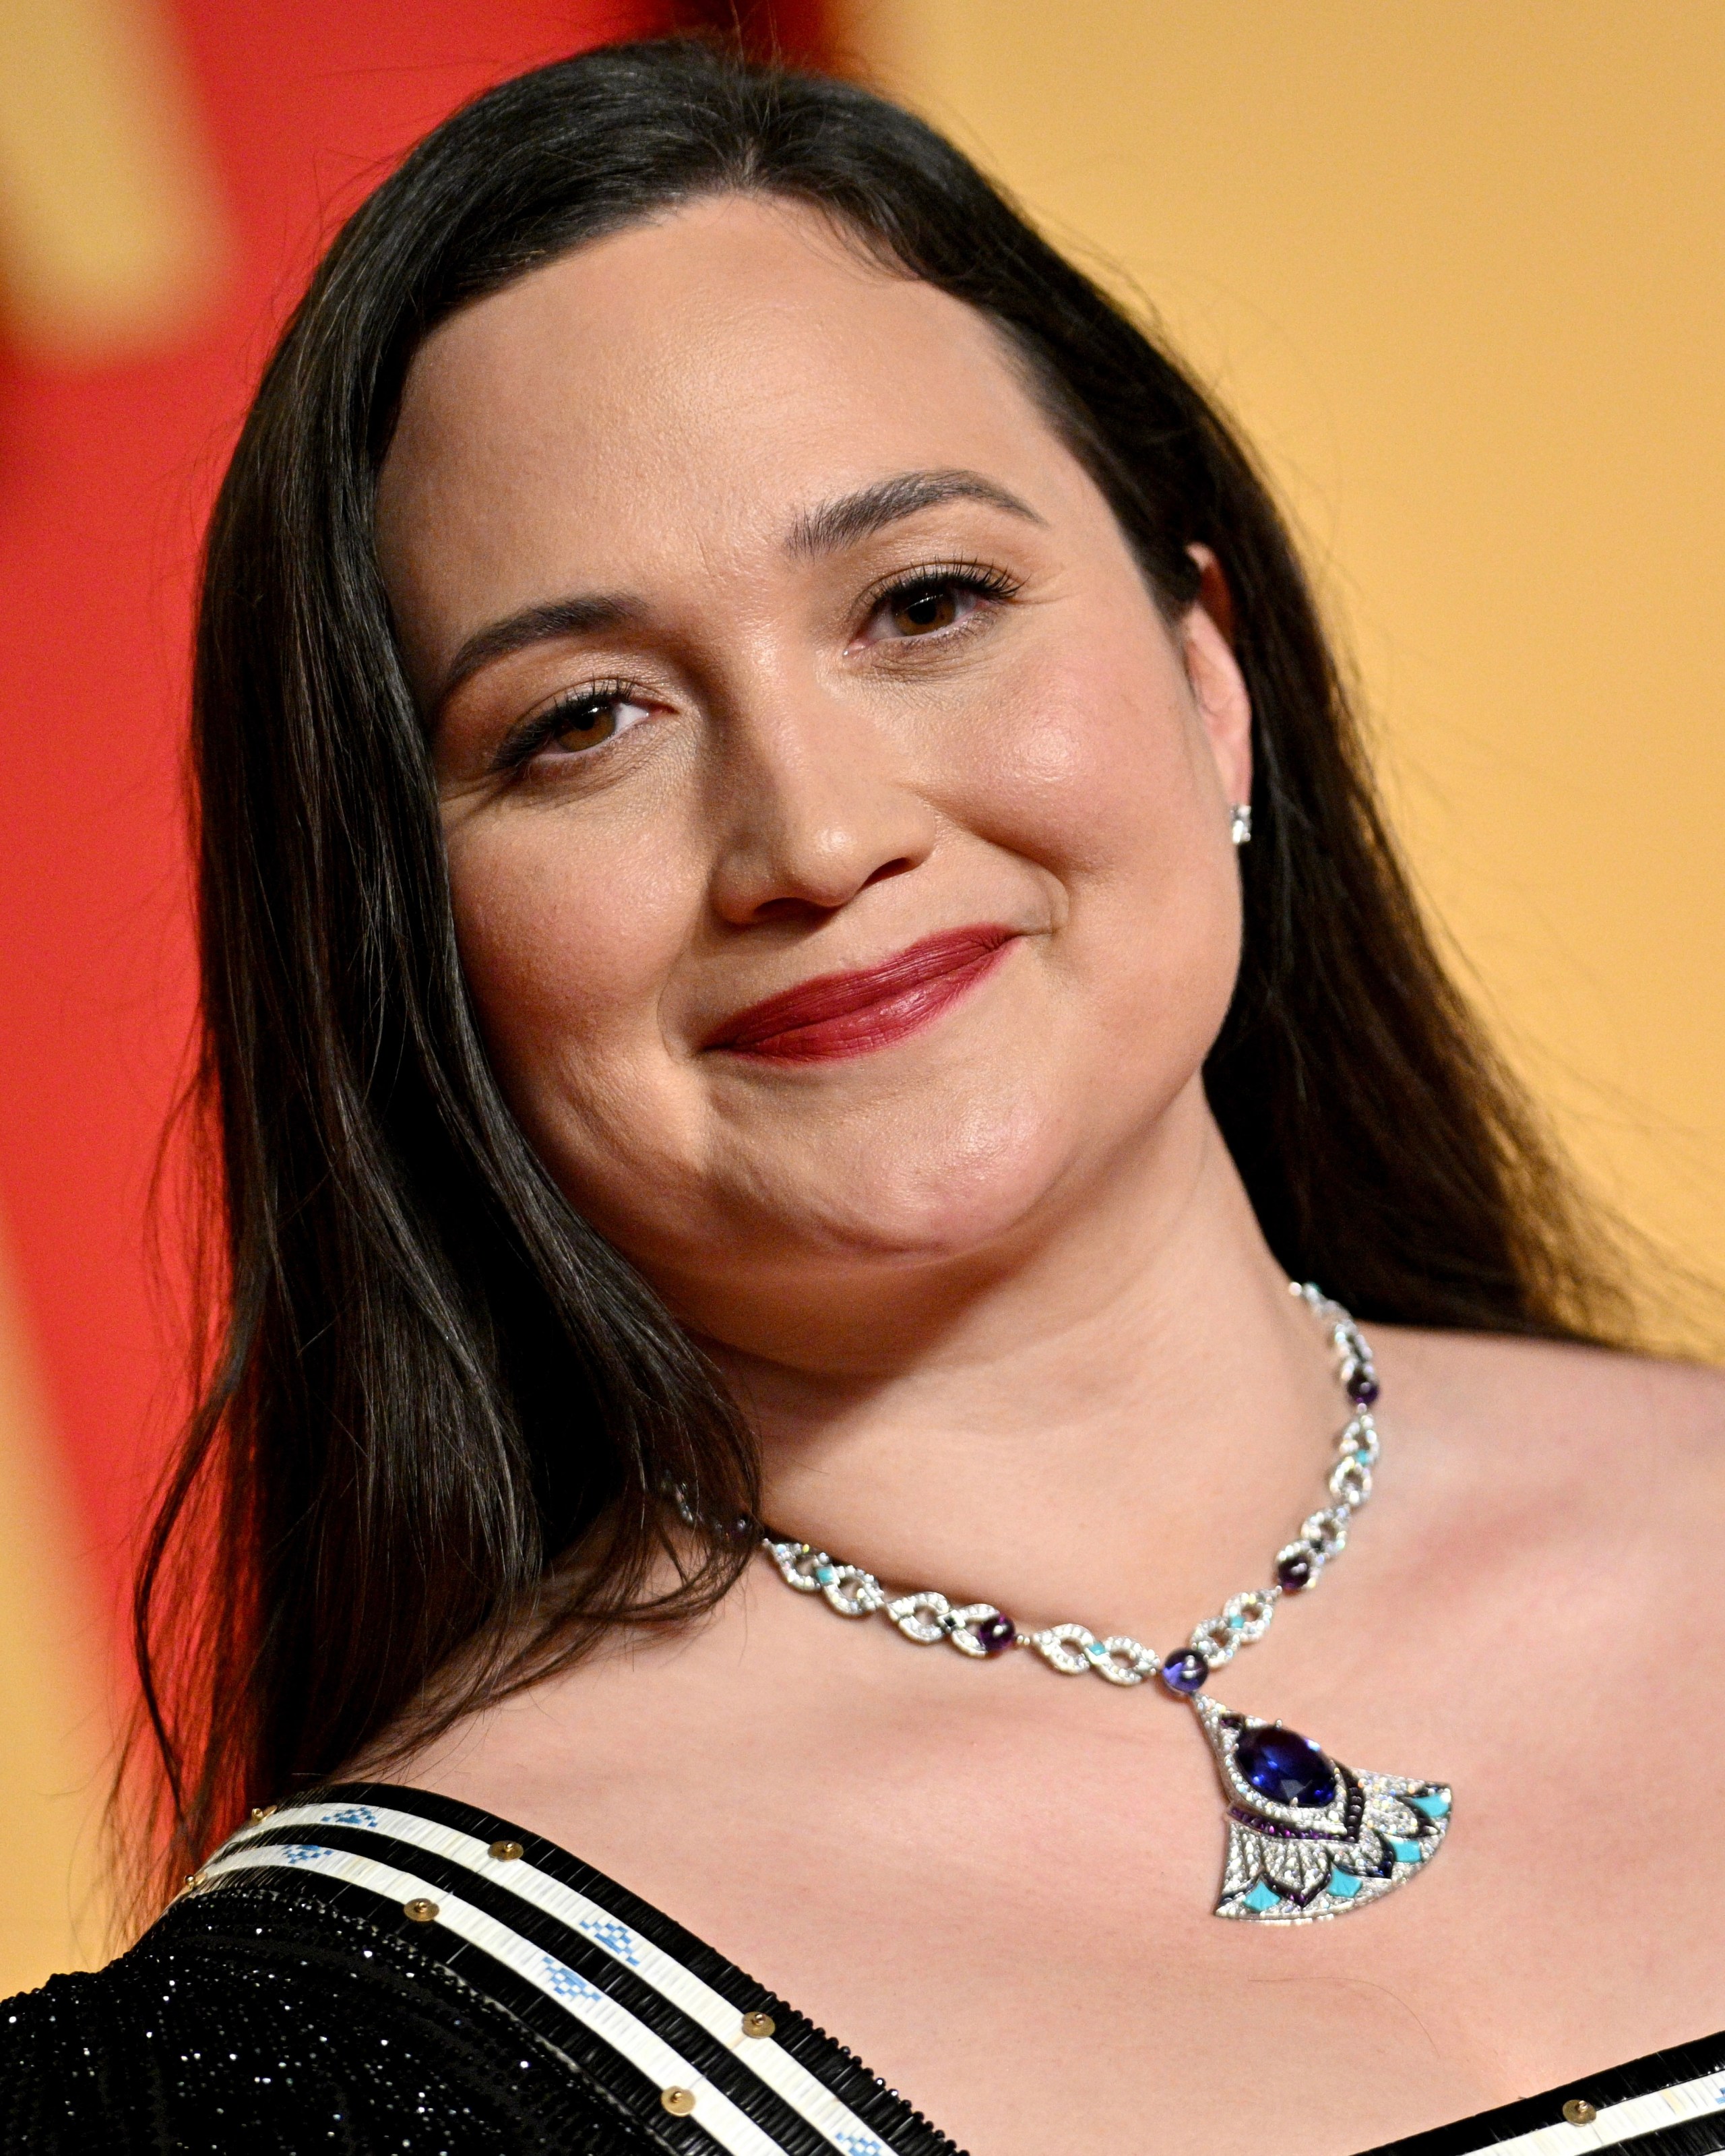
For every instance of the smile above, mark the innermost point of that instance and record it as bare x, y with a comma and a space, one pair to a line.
842, 1014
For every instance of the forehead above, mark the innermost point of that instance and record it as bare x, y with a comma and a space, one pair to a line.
689, 381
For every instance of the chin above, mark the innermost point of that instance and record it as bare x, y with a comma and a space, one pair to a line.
928, 1197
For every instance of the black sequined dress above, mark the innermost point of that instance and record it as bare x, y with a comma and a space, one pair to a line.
377, 1971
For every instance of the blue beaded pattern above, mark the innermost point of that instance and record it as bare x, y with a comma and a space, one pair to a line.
539, 1926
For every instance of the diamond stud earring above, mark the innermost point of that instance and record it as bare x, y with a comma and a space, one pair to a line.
1240, 824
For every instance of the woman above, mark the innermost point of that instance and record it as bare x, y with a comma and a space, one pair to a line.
734, 689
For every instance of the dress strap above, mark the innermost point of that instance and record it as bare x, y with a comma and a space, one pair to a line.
697, 2051
1670, 2103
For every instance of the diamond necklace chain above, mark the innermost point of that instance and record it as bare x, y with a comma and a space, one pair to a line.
1307, 1838
980, 1630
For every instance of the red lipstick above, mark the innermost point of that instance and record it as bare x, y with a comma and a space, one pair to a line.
839, 1015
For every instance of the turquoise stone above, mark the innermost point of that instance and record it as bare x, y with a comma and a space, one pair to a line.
1407, 1852
1435, 1807
1261, 1898
825, 1574
1343, 1885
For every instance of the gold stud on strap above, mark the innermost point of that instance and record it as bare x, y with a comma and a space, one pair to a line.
506, 1852
758, 2024
1579, 2111
420, 1910
678, 2102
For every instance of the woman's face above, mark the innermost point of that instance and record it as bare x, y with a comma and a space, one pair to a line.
838, 834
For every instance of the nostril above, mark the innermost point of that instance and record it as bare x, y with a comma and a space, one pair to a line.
791, 909
888, 869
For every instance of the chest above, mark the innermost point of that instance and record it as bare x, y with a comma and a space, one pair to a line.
1009, 1916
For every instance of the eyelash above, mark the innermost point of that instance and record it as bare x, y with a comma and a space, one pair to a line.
970, 576
527, 740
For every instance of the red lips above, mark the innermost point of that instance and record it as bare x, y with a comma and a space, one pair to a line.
849, 1013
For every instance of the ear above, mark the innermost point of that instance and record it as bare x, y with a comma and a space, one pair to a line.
1219, 688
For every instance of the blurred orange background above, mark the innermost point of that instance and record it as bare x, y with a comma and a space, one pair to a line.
1457, 268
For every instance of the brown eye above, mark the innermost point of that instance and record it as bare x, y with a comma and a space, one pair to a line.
584, 723
564, 731
931, 601
923, 607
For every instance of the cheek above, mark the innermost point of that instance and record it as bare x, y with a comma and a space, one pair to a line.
1099, 770
1095, 765
1084, 733
565, 944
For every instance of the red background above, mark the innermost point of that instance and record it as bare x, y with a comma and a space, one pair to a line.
105, 475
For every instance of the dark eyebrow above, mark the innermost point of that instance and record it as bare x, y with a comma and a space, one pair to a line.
823, 530
576, 616
853, 516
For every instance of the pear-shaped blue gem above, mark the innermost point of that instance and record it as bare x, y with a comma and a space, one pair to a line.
1287, 1768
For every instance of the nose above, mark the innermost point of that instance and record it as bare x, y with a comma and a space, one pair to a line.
814, 812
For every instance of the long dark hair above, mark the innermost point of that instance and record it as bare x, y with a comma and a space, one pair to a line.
440, 1412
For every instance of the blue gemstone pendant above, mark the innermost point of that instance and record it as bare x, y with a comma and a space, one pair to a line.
1308, 1837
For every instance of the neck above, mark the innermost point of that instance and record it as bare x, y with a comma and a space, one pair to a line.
1119, 1421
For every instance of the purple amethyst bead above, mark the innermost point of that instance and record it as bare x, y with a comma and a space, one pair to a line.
1294, 1573
1184, 1673
996, 1633
1362, 1388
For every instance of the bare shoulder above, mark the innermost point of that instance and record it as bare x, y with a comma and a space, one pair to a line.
1560, 1381
1580, 1431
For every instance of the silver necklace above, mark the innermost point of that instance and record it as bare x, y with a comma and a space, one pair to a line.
1308, 1837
